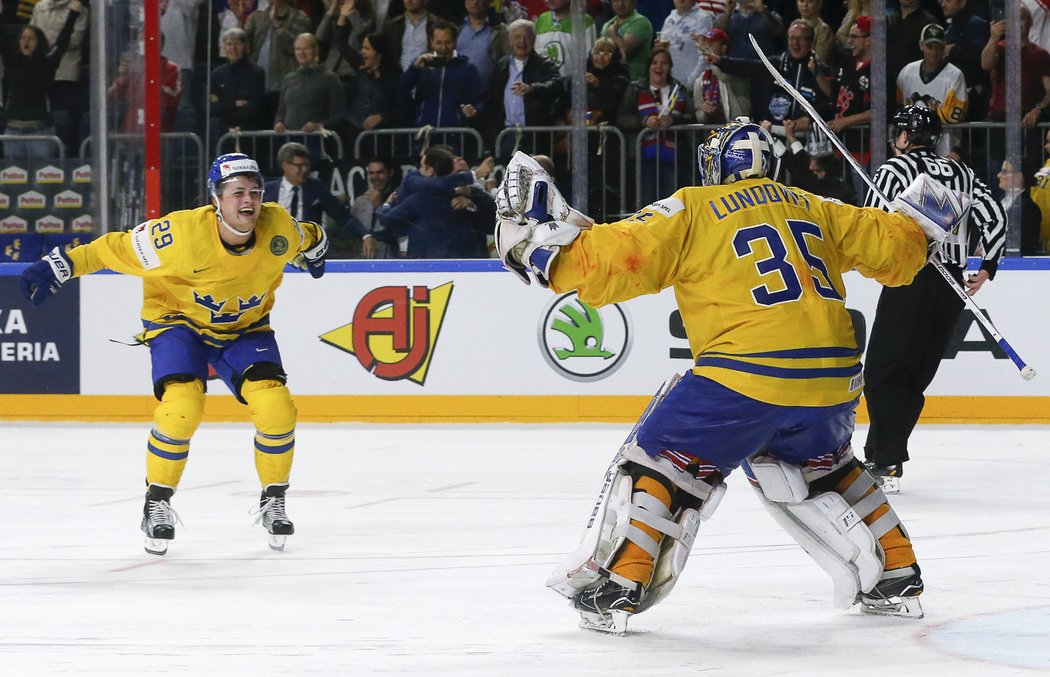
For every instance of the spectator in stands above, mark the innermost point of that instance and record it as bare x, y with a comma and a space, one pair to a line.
1035, 72
854, 10
271, 43
654, 103
127, 90
236, 89
476, 207
1015, 183
29, 67
307, 199
717, 95
965, 36
68, 92
853, 106
607, 79
934, 83
483, 40
526, 87
903, 32
442, 88
678, 35
373, 93
178, 22
1040, 193
820, 174
380, 185
355, 19
1039, 33
234, 15
422, 210
407, 33
554, 38
825, 46
751, 17
312, 98
633, 35
770, 104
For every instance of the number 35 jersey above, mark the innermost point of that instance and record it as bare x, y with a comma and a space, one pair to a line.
191, 279
756, 269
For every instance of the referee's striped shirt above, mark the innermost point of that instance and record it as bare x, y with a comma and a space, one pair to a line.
987, 215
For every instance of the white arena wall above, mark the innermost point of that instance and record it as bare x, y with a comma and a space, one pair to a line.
403, 341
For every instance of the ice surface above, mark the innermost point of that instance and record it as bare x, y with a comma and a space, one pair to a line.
422, 550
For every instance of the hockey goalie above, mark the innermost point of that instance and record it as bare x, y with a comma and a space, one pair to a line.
756, 269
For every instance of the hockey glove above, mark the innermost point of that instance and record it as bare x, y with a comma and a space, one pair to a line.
544, 244
312, 260
937, 209
42, 279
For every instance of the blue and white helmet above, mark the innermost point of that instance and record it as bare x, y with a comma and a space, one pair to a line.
737, 150
228, 166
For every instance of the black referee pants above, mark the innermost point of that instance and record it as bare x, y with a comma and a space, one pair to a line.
913, 325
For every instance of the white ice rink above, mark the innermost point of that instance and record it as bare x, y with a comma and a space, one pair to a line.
423, 550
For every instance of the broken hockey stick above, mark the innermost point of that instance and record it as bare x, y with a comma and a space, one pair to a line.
1027, 373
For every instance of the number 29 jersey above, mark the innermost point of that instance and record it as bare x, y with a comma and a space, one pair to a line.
756, 269
192, 280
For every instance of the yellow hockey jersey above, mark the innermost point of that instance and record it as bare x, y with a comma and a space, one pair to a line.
757, 273
191, 279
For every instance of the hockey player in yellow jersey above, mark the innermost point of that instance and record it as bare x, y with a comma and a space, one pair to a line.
756, 268
209, 278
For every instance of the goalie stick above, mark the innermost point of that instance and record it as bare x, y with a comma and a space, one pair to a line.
1027, 372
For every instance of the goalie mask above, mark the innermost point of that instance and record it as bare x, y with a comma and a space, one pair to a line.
735, 151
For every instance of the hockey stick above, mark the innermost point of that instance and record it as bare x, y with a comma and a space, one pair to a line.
1027, 373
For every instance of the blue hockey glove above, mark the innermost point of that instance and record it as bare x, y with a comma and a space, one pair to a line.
312, 260
41, 280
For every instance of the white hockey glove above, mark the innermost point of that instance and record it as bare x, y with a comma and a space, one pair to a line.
937, 209
526, 199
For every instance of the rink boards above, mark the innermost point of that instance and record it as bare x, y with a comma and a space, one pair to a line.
466, 341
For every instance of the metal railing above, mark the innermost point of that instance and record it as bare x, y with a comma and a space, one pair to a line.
182, 174
406, 144
27, 148
262, 146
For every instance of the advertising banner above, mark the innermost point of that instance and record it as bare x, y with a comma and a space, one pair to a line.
39, 346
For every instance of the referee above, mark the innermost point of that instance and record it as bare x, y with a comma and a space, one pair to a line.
914, 323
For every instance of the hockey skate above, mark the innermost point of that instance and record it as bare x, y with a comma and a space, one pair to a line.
607, 607
272, 515
896, 594
887, 476
158, 519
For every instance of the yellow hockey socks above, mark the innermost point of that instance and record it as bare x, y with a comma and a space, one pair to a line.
175, 420
632, 561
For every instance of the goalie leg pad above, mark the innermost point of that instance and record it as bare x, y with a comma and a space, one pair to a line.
824, 524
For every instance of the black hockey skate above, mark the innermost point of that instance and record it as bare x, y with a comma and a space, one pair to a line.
896, 594
887, 476
158, 519
272, 515
607, 607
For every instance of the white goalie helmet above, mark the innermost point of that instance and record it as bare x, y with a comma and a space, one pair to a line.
735, 151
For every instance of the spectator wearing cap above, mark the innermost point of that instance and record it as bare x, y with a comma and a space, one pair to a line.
903, 31
676, 35
934, 83
719, 96
965, 35
853, 105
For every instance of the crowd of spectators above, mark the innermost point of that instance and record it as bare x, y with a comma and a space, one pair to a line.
348, 66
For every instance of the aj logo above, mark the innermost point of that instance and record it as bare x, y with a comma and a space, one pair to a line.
394, 331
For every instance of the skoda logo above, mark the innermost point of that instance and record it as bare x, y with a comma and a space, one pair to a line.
583, 343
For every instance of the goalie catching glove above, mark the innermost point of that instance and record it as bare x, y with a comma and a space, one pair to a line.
533, 220
42, 279
937, 209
